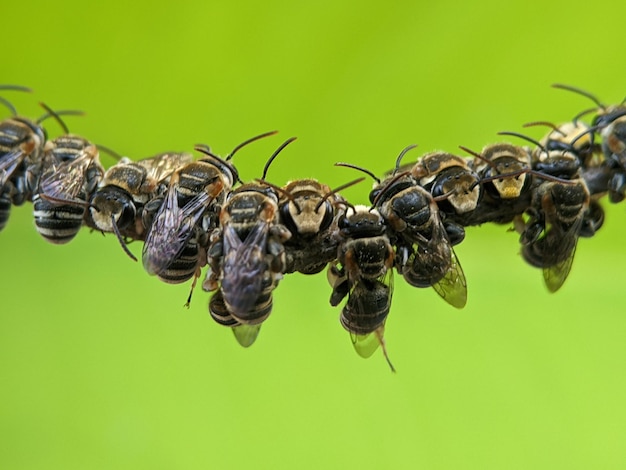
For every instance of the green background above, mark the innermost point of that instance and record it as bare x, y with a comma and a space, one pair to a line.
100, 365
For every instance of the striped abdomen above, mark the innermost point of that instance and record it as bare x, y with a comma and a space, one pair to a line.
57, 223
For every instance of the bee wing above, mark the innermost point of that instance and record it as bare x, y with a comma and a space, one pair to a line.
171, 229
555, 275
453, 287
243, 268
366, 344
163, 165
246, 335
66, 181
9, 163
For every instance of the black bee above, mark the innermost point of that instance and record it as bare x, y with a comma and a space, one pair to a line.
363, 272
310, 210
556, 217
505, 176
246, 258
116, 205
424, 253
610, 121
444, 174
175, 244
573, 136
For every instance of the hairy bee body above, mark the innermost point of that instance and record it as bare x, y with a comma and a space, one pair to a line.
557, 213
311, 217
424, 253
70, 171
175, 245
363, 271
21, 144
246, 256
126, 187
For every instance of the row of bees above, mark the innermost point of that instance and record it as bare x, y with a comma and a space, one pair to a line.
196, 212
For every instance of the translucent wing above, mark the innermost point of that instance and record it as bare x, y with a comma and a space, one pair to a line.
365, 313
9, 163
171, 230
163, 165
244, 267
555, 275
66, 181
453, 287
246, 335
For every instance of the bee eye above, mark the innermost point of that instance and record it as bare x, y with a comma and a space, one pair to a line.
127, 215
328, 216
374, 195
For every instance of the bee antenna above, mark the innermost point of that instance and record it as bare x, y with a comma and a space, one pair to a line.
56, 114
56, 117
502, 176
551, 125
591, 131
545, 176
110, 152
402, 154
581, 114
359, 168
287, 194
121, 239
580, 92
348, 205
388, 185
525, 137
205, 149
246, 142
9, 105
16, 88
336, 190
479, 156
275, 154
445, 196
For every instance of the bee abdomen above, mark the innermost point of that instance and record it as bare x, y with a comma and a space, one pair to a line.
57, 223
184, 267
219, 312
5, 208
366, 311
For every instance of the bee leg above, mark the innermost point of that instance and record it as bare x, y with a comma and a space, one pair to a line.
196, 276
277, 261
379, 334
617, 187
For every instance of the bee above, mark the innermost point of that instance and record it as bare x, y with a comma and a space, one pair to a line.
68, 173
556, 216
611, 122
116, 205
21, 143
22, 154
573, 136
246, 258
174, 247
310, 210
424, 253
363, 272
505, 177
445, 174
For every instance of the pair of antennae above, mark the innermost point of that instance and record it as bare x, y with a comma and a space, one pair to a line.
205, 149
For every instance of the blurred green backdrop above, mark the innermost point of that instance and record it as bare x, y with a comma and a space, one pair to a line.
102, 368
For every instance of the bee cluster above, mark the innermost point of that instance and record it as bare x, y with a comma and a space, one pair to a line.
192, 213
